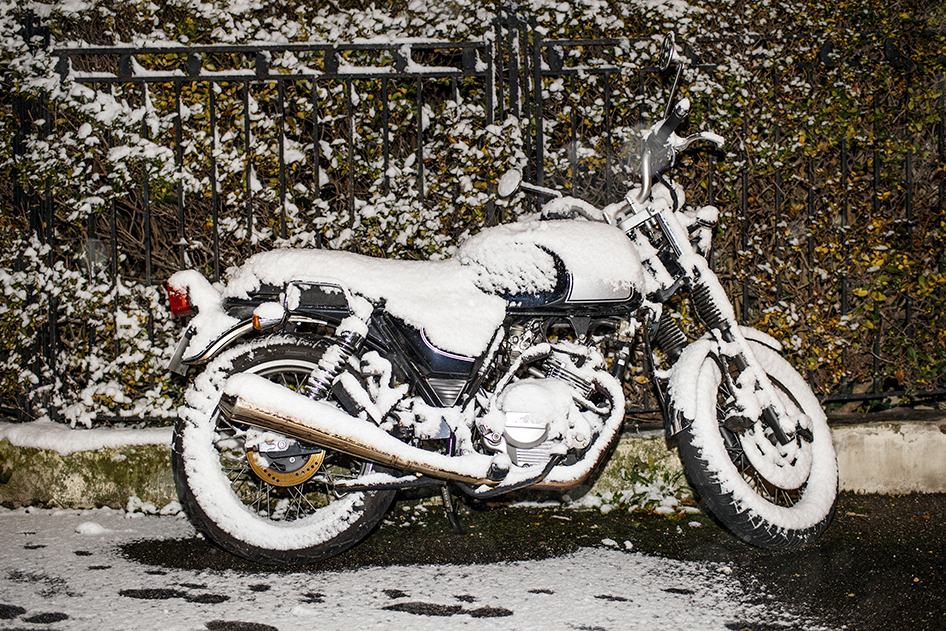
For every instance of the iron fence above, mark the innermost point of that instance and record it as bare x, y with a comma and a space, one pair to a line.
514, 72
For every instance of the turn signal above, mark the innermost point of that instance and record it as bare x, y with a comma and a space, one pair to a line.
180, 303
268, 316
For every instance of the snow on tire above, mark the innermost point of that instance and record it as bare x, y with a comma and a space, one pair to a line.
227, 497
750, 505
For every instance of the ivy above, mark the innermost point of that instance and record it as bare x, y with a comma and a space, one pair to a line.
832, 226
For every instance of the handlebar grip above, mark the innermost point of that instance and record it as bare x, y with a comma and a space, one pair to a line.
673, 120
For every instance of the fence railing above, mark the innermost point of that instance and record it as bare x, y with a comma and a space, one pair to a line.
263, 141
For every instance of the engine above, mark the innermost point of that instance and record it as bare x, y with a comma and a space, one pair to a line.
548, 404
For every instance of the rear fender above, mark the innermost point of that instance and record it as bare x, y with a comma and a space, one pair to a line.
227, 339
218, 326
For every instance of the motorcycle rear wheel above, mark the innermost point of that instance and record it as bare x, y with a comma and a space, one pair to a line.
230, 499
751, 506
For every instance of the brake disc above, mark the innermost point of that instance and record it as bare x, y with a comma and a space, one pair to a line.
282, 464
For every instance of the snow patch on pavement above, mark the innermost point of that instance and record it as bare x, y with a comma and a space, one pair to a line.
50, 566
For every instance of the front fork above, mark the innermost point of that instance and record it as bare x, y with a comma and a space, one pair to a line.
754, 392
769, 416
755, 395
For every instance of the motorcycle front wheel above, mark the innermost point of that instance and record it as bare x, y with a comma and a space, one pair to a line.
259, 495
771, 496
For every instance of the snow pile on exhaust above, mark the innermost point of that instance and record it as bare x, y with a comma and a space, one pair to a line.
265, 395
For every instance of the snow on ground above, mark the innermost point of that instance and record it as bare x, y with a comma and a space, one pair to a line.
62, 570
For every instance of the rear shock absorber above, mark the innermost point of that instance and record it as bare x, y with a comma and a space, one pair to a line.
351, 334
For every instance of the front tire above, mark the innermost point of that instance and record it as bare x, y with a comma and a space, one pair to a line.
784, 510
264, 509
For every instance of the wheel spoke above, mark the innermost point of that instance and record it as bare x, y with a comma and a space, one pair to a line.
737, 454
285, 503
238, 472
301, 502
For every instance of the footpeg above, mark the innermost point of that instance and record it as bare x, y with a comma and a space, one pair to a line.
498, 469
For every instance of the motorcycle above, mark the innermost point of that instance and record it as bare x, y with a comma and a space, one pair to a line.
332, 380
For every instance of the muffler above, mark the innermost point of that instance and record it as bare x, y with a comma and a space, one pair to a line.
256, 401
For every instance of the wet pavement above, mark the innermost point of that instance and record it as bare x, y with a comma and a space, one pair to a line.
65, 569
880, 565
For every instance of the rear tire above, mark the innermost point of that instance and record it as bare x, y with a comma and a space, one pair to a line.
753, 507
230, 501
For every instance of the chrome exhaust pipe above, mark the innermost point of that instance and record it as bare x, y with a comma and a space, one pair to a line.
256, 401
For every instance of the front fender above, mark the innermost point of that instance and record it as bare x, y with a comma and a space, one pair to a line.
685, 372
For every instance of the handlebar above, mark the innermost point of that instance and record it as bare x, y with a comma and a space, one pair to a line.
646, 178
660, 148
662, 144
658, 143
670, 124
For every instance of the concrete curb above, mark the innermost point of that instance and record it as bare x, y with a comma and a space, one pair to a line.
85, 479
892, 458
879, 457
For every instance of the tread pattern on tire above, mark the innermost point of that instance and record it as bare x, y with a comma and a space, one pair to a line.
747, 524
240, 359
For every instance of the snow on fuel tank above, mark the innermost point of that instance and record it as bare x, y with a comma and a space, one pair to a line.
532, 263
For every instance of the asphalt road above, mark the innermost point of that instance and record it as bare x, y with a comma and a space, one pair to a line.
880, 566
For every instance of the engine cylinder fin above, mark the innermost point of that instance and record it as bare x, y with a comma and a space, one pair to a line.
556, 369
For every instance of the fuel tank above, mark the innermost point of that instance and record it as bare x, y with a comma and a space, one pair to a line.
555, 263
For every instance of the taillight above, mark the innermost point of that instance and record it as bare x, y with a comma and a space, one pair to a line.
180, 303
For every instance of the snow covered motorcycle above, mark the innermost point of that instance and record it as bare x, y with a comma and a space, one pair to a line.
332, 379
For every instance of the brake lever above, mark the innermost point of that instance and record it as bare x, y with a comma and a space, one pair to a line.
680, 144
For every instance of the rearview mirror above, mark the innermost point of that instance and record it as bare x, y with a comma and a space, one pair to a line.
668, 56
668, 53
509, 183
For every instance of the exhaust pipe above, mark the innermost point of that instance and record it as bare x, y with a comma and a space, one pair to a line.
256, 401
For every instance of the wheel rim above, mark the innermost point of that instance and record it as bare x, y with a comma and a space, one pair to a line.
740, 448
273, 493
746, 501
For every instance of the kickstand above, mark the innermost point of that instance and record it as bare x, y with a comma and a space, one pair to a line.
450, 508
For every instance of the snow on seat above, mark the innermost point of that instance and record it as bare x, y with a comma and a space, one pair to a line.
453, 301
439, 297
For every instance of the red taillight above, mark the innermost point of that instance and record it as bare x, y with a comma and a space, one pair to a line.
180, 303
